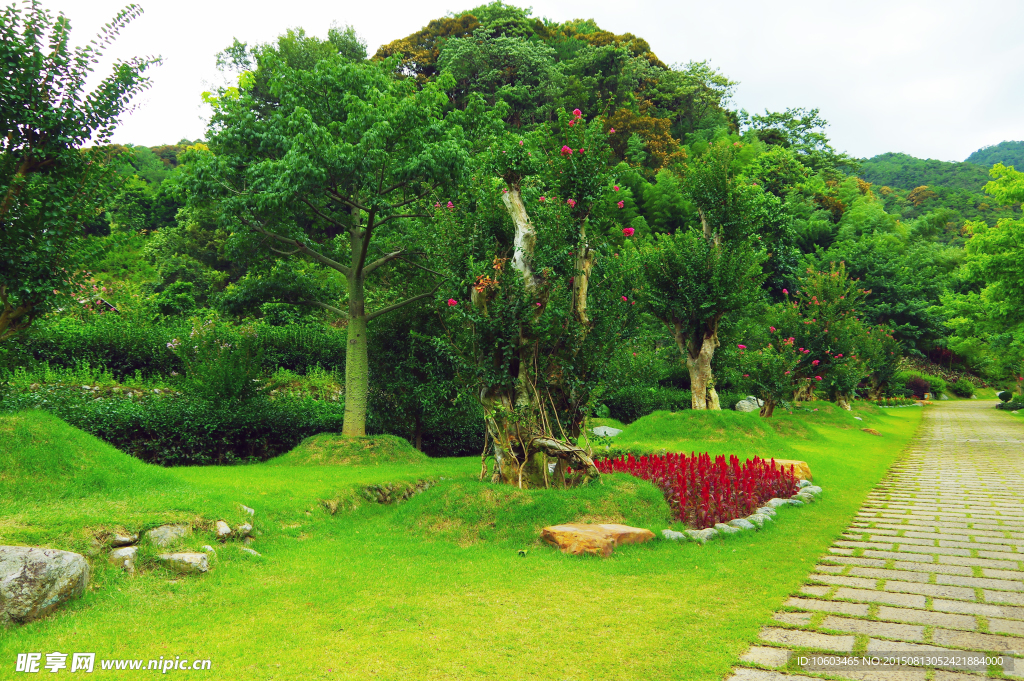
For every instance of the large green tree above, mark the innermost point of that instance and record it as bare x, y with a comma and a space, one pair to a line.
339, 164
49, 187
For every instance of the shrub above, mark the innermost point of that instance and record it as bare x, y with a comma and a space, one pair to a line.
963, 388
223, 363
1013, 405
702, 491
918, 386
629, 404
1004, 395
914, 380
772, 372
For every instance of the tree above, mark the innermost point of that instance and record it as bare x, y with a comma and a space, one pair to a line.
49, 187
330, 178
801, 130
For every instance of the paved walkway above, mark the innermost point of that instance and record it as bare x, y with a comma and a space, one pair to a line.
932, 564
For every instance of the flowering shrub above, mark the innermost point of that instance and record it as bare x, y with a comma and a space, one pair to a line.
771, 371
894, 401
703, 491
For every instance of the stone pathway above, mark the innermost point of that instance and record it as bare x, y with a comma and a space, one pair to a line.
932, 564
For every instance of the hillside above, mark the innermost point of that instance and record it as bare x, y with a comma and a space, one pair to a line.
902, 171
1008, 153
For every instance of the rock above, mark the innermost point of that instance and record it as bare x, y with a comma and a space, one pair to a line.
813, 489
124, 557
751, 403
252, 552
858, 418
33, 581
943, 397
766, 510
722, 528
223, 530
165, 534
742, 524
776, 502
598, 540
209, 549
605, 431
871, 431
803, 483
673, 535
244, 530
757, 520
247, 540
247, 509
794, 502
702, 536
185, 563
95, 547
804, 497
123, 539
800, 468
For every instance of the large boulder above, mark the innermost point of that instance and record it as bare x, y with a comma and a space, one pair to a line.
599, 540
751, 403
800, 468
33, 581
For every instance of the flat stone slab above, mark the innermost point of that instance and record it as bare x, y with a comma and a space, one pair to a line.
35, 581
605, 431
599, 540
185, 563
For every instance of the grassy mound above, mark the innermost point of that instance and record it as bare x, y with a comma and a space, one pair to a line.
332, 449
468, 512
43, 457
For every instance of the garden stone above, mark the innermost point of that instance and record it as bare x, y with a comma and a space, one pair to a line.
722, 528
757, 520
804, 497
598, 540
247, 509
606, 431
776, 502
120, 539
801, 471
124, 558
185, 563
766, 510
813, 489
244, 529
209, 549
34, 581
749, 404
742, 524
223, 530
165, 534
794, 502
803, 483
702, 536
673, 535
858, 418
252, 552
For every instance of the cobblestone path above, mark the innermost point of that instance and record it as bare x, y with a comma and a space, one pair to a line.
932, 564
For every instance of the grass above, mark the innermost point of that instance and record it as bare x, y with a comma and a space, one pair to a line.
433, 588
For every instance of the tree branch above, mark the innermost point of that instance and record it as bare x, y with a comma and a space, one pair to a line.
392, 308
318, 212
330, 308
304, 249
381, 261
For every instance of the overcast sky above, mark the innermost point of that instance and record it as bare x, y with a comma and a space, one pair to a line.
935, 79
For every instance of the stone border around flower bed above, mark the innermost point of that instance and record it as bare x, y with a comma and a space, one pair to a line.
754, 521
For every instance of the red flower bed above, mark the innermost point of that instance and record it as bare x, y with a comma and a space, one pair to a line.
702, 491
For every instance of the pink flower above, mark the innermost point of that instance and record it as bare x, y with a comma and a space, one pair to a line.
451, 205
520, 142
538, 304
566, 150
577, 113
742, 347
572, 123
801, 349
839, 355
542, 199
746, 375
621, 204
56, 292
612, 131
817, 378
628, 231
785, 292
581, 150
787, 373
452, 302
807, 352
571, 202
437, 205
816, 362
772, 329
624, 298
634, 354
615, 188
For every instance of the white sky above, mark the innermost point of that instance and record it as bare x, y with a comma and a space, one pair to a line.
934, 78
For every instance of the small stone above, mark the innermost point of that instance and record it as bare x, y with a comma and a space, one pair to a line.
804, 497
742, 524
701, 536
34, 581
223, 530
209, 549
244, 530
726, 529
673, 535
757, 520
124, 557
246, 509
165, 534
794, 502
749, 404
812, 489
606, 431
776, 502
251, 552
185, 563
767, 510
858, 418
800, 469
123, 539
803, 483
95, 547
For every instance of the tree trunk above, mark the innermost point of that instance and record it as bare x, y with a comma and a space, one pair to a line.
698, 361
768, 408
357, 362
844, 402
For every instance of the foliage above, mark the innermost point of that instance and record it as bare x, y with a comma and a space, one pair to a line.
702, 491
223, 364
630, 403
802, 131
962, 388
771, 371
920, 382
1006, 152
902, 171
895, 402
50, 188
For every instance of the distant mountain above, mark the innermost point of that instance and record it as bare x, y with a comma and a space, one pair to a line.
901, 171
1007, 153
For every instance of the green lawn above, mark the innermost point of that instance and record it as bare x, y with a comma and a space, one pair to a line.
433, 588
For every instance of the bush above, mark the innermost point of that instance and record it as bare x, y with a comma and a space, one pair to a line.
1004, 395
918, 386
915, 380
1013, 405
963, 388
629, 404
